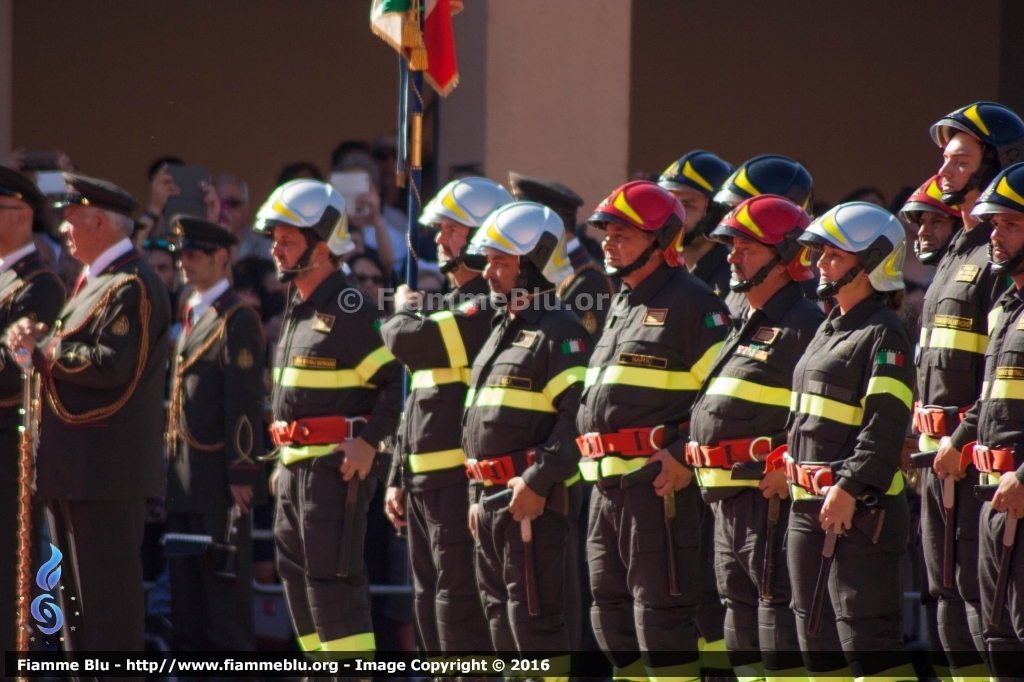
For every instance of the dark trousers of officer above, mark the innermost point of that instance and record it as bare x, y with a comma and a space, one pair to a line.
755, 629
449, 614
501, 577
862, 615
212, 612
308, 531
1004, 641
634, 616
959, 609
101, 572
711, 611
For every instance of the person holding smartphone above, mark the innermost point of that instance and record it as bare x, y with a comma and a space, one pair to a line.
387, 240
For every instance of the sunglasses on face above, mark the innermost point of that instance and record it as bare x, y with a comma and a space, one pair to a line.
231, 202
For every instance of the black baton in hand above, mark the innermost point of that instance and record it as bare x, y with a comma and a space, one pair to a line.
828, 554
768, 571
986, 493
647, 474
497, 501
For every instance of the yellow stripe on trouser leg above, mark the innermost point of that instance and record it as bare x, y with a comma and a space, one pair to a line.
310, 642
353, 646
685, 672
787, 675
841, 675
971, 673
944, 673
634, 672
753, 672
713, 655
901, 673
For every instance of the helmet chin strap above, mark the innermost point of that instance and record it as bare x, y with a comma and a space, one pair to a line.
979, 179
635, 265
830, 289
929, 257
1008, 268
760, 276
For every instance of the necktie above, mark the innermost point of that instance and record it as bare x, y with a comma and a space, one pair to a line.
82, 279
188, 318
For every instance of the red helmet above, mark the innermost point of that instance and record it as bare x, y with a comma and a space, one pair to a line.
774, 221
927, 197
645, 206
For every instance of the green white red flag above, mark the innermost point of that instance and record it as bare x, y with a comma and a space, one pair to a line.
433, 50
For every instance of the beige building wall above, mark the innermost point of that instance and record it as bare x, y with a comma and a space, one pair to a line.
848, 88
240, 86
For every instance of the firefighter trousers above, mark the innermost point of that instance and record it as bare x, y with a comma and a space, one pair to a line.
862, 617
449, 614
641, 627
329, 612
501, 577
1005, 640
959, 606
756, 629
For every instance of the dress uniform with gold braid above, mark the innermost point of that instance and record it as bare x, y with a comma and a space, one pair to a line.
333, 379
992, 432
587, 291
101, 434
520, 422
954, 337
851, 403
659, 342
214, 435
438, 349
27, 289
740, 417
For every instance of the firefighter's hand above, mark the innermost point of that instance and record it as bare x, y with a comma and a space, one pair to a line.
394, 506
774, 483
23, 334
473, 509
525, 502
242, 495
837, 510
674, 476
358, 457
408, 300
1009, 495
947, 460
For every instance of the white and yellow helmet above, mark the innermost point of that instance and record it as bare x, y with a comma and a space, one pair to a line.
308, 204
869, 231
531, 231
467, 201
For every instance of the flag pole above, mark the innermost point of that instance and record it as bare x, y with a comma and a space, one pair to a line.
414, 109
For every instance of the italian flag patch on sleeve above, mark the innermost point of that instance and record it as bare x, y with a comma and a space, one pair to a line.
715, 320
890, 357
573, 346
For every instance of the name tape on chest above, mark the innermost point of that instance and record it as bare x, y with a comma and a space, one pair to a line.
637, 360
655, 317
1009, 372
526, 339
323, 323
954, 322
967, 273
306, 362
506, 381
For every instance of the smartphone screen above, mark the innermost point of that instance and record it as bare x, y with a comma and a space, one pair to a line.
352, 184
51, 183
190, 201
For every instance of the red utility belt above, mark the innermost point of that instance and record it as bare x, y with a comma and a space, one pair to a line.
992, 461
936, 421
638, 442
810, 477
500, 470
728, 452
316, 430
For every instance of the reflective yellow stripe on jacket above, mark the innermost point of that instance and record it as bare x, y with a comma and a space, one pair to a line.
294, 453
662, 379
955, 339
609, 466
449, 328
749, 391
899, 482
428, 378
535, 401
300, 377
423, 462
852, 415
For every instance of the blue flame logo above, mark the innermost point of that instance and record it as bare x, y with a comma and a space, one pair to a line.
44, 609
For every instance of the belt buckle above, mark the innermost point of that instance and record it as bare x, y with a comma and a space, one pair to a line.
350, 423
595, 446
657, 429
753, 443
983, 456
473, 470
814, 479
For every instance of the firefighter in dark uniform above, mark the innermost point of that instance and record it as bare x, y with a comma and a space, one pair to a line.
993, 429
588, 291
214, 439
695, 179
850, 409
976, 140
769, 174
519, 432
429, 490
740, 417
27, 289
103, 367
664, 329
336, 396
